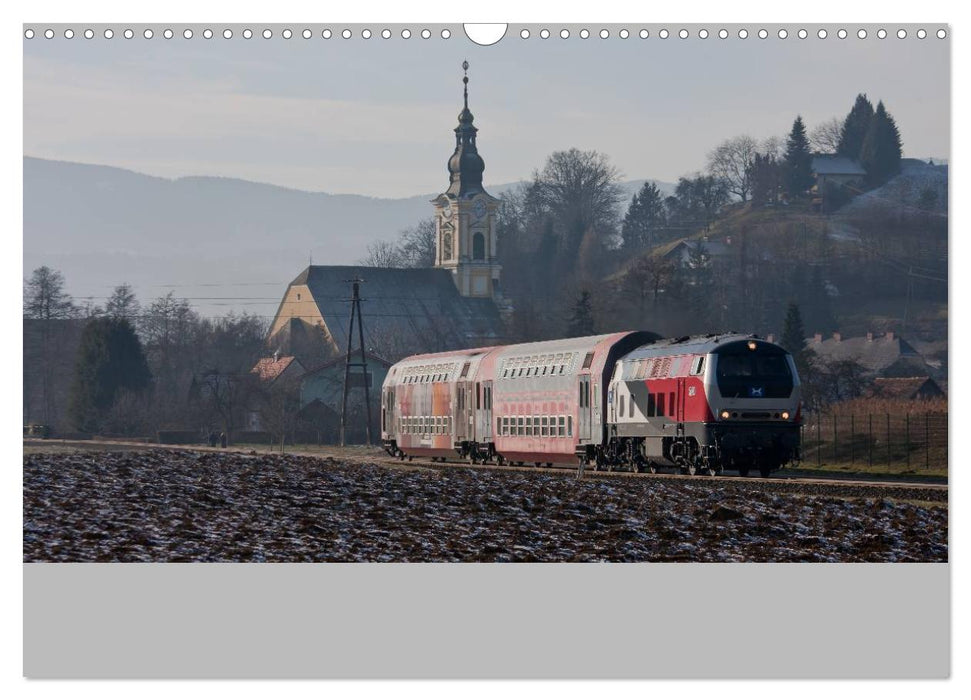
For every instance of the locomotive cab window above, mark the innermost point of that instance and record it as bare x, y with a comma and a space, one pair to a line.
763, 373
698, 366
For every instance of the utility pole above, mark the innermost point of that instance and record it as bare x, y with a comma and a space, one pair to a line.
355, 311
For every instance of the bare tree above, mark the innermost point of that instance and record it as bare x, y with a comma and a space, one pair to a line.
646, 277
279, 407
45, 298
825, 137
773, 147
383, 254
46, 303
731, 162
416, 245
123, 304
579, 192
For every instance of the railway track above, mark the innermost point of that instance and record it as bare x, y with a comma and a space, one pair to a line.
823, 486
835, 486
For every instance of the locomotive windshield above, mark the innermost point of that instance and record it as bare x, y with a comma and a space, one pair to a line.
753, 375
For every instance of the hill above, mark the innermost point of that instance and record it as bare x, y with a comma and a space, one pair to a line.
102, 225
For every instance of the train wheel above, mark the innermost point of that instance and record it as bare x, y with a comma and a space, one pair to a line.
549, 464
743, 471
689, 470
765, 472
537, 464
401, 456
711, 471
651, 468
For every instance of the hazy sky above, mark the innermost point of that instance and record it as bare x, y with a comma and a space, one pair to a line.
376, 116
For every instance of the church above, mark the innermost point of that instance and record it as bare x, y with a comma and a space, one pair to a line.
455, 304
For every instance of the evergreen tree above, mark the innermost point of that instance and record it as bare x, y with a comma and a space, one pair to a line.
109, 360
798, 162
794, 340
855, 127
882, 150
644, 219
765, 174
581, 319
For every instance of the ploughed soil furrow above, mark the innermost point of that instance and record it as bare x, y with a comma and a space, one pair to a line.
178, 506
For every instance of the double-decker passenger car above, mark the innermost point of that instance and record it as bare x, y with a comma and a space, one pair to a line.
624, 400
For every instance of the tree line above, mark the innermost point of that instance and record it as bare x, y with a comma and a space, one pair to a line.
124, 368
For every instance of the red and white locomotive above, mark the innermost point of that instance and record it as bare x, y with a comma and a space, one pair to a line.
626, 400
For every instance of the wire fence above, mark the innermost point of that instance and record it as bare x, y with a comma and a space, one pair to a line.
912, 441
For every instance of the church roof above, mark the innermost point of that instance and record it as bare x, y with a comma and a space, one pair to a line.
408, 310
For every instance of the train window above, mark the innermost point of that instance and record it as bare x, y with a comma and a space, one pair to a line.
544, 424
660, 404
562, 425
465, 370
587, 361
531, 426
569, 426
498, 426
622, 406
521, 425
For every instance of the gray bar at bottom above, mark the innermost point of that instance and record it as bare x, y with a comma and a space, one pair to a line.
486, 621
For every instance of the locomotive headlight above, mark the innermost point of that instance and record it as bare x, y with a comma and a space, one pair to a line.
751, 345
785, 415
725, 415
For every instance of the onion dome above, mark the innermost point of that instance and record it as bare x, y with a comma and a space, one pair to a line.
466, 166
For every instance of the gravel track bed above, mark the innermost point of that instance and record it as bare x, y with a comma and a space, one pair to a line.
177, 506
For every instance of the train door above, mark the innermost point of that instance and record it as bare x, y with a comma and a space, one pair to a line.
583, 397
470, 396
484, 427
462, 403
387, 413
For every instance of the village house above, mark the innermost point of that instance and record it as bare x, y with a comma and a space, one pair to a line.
906, 388
836, 178
887, 355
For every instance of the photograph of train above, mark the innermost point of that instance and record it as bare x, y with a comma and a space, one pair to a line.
432, 307
394, 337
625, 400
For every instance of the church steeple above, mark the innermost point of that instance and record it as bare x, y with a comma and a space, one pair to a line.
465, 216
466, 166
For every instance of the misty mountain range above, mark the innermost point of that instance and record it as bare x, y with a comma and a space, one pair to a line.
203, 237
